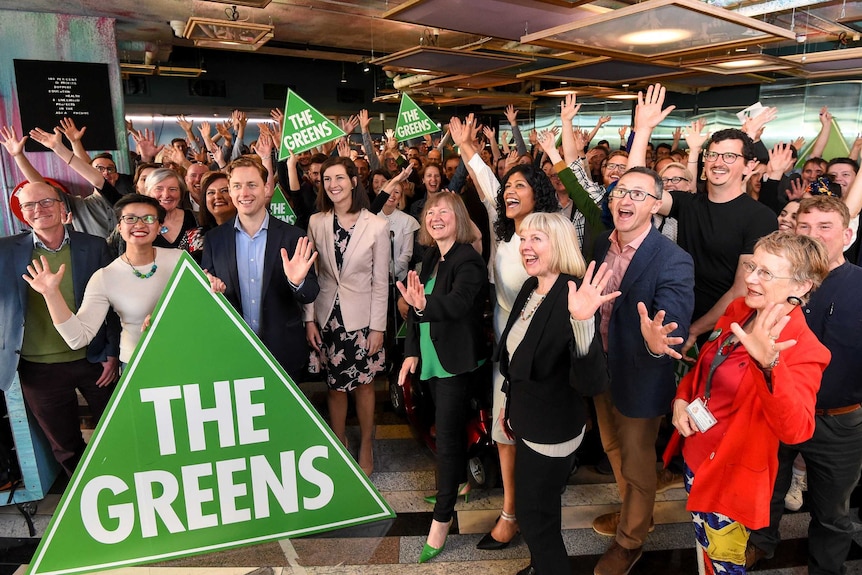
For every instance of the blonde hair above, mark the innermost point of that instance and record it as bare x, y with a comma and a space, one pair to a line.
680, 166
565, 252
463, 230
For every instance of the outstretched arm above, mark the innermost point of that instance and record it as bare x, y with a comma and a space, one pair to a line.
822, 136
74, 135
54, 142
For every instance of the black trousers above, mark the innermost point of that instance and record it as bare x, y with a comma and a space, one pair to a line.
450, 397
833, 457
49, 390
539, 480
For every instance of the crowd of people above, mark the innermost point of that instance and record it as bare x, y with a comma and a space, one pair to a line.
605, 269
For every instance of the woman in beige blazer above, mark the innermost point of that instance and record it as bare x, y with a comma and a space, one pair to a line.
346, 322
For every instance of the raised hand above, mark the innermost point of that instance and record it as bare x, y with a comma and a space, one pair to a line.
622, 132
569, 108
12, 144
762, 343
278, 116
71, 131
49, 140
490, 133
648, 112
41, 278
779, 157
754, 126
350, 124
146, 144
694, 136
185, 124
296, 267
548, 142
586, 300
414, 292
511, 115
343, 147
264, 145
512, 160
364, 121
457, 130
656, 335
797, 189
603, 120
205, 131
825, 117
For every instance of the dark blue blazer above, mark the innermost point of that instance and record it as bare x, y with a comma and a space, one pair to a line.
89, 253
281, 327
661, 275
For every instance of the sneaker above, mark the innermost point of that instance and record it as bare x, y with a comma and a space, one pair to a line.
607, 524
793, 499
667, 479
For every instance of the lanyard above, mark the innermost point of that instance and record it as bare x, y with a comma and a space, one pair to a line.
721, 356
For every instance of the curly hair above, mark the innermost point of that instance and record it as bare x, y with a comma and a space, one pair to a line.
544, 196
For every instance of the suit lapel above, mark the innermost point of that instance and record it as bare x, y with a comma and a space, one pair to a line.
328, 236
230, 257
23, 254
542, 315
355, 236
272, 254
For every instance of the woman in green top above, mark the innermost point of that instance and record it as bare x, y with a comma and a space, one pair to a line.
444, 328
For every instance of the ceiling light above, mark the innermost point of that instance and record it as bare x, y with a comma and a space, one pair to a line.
652, 37
213, 33
626, 96
742, 64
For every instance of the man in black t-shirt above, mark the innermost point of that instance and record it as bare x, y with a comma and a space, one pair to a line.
719, 228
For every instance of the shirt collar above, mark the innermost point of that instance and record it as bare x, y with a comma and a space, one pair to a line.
238, 226
37, 243
634, 244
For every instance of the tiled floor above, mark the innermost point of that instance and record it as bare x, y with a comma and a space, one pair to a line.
404, 474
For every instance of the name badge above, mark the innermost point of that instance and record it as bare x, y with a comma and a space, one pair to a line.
701, 415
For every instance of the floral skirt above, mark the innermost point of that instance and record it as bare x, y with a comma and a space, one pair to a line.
344, 355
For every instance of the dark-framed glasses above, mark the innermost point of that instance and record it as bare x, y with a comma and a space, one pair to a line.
635, 195
132, 220
728, 157
674, 180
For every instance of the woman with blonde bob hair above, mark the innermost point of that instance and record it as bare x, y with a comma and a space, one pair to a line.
551, 357
444, 328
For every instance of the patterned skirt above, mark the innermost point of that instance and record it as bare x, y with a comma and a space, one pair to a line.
344, 354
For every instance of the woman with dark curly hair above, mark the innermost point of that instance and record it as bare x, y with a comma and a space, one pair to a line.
525, 190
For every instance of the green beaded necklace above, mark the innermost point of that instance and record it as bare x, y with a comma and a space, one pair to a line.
139, 274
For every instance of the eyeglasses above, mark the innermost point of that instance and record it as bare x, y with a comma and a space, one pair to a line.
45, 203
132, 220
616, 167
108, 169
674, 180
763, 274
728, 157
635, 195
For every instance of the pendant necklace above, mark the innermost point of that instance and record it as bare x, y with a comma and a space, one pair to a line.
541, 298
139, 274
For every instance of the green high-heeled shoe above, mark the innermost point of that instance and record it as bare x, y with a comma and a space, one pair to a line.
429, 553
463, 491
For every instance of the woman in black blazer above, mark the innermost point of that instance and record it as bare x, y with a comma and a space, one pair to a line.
551, 357
444, 329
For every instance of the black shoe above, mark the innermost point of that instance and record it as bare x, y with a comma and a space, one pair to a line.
488, 543
603, 467
528, 570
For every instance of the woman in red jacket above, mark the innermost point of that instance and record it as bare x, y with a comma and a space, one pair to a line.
754, 385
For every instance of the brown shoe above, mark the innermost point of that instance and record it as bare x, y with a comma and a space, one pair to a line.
607, 524
617, 560
753, 554
667, 479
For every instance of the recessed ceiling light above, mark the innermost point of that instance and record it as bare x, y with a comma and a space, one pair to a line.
623, 97
747, 63
651, 37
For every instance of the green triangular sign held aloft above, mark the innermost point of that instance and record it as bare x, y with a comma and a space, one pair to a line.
836, 147
207, 444
280, 208
304, 127
412, 121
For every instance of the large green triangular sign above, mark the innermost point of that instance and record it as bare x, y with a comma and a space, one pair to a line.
304, 127
207, 444
280, 207
836, 147
412, 121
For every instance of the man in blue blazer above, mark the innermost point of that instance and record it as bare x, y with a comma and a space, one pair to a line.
49, 371
654, 275
264, 267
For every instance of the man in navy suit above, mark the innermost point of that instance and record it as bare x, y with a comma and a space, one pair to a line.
264, 267
50, 371
654, 276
